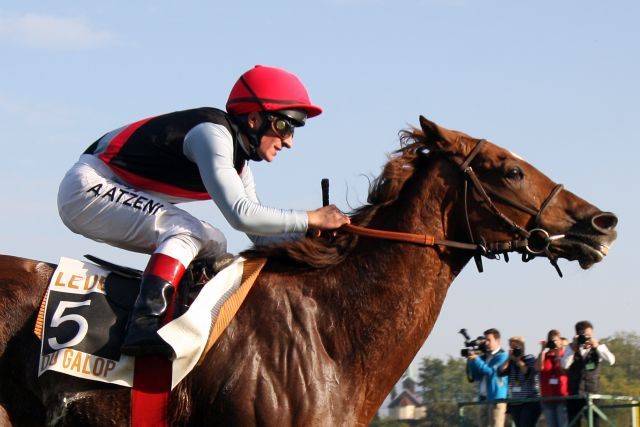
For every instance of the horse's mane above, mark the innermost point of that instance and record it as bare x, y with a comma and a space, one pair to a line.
383, 190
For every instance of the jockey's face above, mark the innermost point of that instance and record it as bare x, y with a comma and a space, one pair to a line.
271, 142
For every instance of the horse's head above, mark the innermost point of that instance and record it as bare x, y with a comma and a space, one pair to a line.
510, 205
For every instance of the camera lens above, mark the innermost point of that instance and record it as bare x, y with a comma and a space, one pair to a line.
582, 339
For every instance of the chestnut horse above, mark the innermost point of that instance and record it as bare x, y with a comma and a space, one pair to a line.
315, 343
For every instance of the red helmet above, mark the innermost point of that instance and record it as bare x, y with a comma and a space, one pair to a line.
265, 88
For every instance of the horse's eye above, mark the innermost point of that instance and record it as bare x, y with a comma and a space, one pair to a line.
515, 173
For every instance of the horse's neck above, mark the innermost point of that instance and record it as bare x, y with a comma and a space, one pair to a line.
398, 292
396, 303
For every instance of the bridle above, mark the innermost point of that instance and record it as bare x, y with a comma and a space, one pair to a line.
532, 243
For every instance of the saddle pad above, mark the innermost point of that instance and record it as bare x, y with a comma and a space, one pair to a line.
193, 334
83, 315
81, 328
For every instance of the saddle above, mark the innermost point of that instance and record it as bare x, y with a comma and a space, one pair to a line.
199, 273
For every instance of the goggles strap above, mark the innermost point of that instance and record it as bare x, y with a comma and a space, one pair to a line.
255, 135
252, 135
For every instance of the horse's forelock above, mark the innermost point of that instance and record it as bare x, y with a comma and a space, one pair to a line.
411, 136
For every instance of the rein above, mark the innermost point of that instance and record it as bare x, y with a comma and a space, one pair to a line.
533, 242
420, 239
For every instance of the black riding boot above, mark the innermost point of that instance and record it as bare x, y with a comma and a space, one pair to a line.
142, 330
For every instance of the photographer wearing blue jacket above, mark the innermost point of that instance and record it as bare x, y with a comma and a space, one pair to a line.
485, 368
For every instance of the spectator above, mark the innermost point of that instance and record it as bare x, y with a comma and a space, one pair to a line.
582, 361
484, 368
553, 379
520, 368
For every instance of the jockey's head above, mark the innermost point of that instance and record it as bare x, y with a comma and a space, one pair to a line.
269, 100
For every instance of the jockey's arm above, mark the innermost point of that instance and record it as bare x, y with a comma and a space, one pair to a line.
210, 146
256, 239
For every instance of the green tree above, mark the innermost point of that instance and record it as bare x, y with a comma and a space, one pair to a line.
443, 385
445, 382
386, 422
623, 378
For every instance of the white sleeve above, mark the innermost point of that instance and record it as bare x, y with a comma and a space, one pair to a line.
567, 358
605, 354
250, 188
210, 146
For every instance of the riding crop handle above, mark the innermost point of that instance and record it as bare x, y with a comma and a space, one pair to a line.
324, 183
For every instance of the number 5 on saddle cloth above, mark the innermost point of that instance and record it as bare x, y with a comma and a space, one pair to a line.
83, 317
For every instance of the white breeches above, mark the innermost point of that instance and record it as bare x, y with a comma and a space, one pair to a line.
93, 202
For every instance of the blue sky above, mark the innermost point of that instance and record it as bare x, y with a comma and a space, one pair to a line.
556, 82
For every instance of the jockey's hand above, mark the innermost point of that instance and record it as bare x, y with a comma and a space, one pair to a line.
327, 218
313, 233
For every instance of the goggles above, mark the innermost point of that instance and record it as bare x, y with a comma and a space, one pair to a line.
281, 126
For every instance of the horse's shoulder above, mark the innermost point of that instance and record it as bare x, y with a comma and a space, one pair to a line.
278, 325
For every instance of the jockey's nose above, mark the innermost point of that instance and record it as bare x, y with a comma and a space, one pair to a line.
288, 141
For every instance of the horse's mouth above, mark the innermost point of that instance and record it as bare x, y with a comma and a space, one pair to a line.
586, 249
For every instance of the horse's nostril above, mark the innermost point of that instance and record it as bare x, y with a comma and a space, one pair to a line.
604, 222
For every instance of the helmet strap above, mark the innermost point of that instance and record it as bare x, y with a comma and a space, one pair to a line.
253, 135
254, 143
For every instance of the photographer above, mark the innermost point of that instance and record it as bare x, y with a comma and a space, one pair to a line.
582, 361
520, 368
553, 379
484, 368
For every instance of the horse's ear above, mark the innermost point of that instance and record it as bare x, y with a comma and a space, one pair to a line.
435, 137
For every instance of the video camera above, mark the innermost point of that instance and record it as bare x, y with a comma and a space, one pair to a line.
476, 346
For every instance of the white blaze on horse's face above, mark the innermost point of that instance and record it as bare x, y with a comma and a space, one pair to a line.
516, 155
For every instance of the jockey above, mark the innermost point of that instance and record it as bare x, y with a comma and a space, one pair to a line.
123, 189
